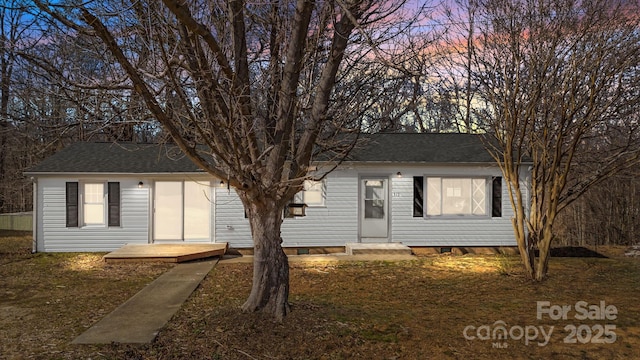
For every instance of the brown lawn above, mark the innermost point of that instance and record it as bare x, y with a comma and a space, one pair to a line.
348, 310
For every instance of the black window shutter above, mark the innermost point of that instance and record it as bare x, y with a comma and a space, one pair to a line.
114, 203
72, 204
418, 196
496, 199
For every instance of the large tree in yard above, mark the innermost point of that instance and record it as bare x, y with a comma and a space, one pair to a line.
554, 80
252, 92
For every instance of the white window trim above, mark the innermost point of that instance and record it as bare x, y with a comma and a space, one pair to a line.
487, 198
81, 202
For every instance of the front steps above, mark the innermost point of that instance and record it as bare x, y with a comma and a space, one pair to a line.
377, 249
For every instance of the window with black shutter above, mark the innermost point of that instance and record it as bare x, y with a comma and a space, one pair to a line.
72, 204
114, 204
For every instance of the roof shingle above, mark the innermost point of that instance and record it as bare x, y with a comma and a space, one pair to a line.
85, 157
423, 148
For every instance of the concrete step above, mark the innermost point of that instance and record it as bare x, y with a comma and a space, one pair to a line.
377, 249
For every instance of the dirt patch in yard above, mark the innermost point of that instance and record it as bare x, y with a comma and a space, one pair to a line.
349, 310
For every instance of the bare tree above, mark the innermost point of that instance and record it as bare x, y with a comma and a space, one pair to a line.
609, 212
554, 80
246, 90
12, 26
39, 115
420, 95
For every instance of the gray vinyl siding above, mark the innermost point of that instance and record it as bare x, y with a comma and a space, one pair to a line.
334, 224
54, 236
230, 224
462, 231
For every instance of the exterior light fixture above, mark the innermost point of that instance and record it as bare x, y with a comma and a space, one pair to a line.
399, 174
140, 185
221, 183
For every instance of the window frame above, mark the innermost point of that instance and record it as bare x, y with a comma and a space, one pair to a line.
84, 203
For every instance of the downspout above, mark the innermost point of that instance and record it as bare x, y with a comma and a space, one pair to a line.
34, 215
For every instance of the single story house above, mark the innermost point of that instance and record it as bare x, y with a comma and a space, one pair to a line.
422, 190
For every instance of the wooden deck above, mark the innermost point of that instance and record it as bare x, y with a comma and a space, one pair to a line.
165, 252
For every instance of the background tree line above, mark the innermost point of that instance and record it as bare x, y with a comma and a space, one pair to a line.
40, 115
432, 84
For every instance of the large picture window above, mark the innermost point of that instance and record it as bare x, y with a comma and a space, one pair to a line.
457, 196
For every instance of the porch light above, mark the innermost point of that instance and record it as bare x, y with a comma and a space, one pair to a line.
399, 174
297, 209
140, 185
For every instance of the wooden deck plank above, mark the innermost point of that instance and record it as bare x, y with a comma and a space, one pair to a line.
165, 252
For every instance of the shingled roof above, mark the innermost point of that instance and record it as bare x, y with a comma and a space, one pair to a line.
85, 157
422, 148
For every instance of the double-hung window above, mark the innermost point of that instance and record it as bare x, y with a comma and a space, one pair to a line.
92, 204
441, 196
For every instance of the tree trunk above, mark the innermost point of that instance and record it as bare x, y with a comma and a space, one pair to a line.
543, 263
270, 289
544, 250
524, 246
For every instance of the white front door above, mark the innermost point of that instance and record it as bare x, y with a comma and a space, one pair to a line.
374, 209
182, 211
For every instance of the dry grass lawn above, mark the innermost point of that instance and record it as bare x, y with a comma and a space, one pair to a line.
348, 310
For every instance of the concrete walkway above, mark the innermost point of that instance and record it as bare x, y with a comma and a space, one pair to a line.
140, 318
